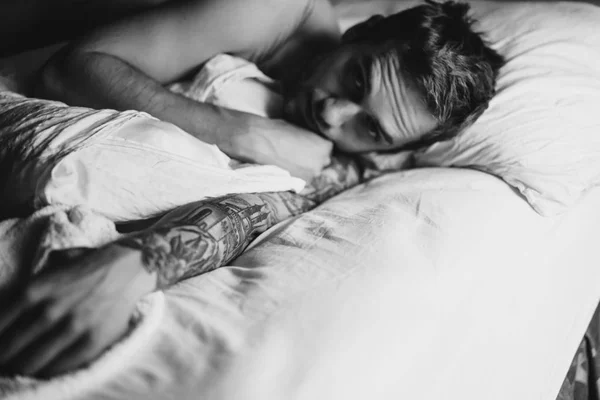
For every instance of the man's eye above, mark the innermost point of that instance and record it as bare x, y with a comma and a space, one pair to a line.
359, 81
373, 130
356, 82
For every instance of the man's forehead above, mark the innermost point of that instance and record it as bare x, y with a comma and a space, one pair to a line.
396, 100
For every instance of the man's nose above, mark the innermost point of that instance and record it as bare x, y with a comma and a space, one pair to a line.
337, 111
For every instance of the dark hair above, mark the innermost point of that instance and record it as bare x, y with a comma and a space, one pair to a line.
450, 63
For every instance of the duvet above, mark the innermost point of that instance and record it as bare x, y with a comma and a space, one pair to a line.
420, 284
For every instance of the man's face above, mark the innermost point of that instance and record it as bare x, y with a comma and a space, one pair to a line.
357, 98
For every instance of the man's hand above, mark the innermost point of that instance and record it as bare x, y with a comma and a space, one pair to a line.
271, 141
72, 311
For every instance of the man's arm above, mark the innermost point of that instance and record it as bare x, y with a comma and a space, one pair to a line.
200, 237
203, 236
126, 65
82, 301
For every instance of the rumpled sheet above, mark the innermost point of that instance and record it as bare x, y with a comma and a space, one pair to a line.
123, 165
433, 283
26, 243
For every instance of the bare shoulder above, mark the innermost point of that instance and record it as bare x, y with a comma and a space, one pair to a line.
315, 30
175, 37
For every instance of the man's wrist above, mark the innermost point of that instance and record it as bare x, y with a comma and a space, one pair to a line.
241, 137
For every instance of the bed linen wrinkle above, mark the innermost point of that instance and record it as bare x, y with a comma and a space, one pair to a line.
56, 154
286, 322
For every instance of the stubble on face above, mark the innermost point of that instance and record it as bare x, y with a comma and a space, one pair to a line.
296, 91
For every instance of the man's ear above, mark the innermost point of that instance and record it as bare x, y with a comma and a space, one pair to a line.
359, 30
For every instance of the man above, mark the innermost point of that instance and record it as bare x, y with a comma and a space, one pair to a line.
422, 74
392, 83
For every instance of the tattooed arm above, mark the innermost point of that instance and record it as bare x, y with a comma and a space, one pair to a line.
82, 301
199, 237
202, 236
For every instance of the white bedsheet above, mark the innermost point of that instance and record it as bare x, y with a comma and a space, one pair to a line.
425, 284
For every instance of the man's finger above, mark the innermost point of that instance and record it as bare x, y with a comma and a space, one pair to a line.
75, 356
86, 349
45, 349
26, 329
13, 309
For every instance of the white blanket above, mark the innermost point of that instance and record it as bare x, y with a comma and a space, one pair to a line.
426, 284
123, 165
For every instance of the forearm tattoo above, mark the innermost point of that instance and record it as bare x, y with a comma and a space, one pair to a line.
343, 173
205, 235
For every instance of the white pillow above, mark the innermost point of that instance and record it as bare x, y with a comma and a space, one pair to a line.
541, 133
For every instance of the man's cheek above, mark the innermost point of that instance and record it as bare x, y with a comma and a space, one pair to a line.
350, 142
340, 140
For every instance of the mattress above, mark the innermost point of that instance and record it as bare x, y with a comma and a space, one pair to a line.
422, 284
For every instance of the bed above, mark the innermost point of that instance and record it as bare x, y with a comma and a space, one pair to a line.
414, 285
433, 282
